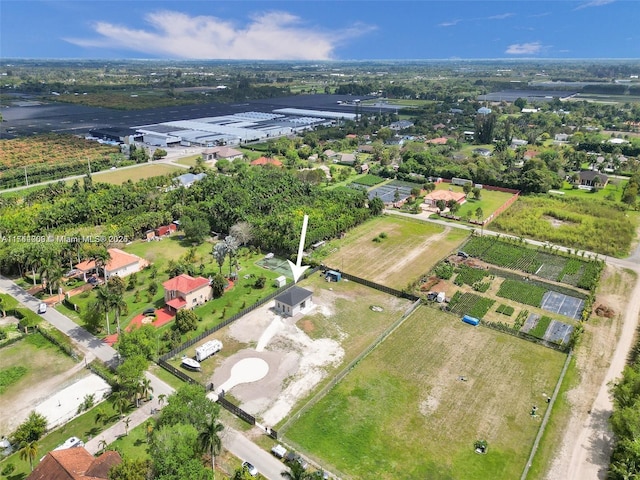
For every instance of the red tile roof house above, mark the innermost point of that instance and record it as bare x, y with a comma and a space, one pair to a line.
185, 291
75, 464
432, 198
120, 263
262, 161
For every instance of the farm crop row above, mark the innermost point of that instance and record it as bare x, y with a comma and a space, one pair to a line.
369, 180
50, 149
522, 292
469, 276
470, 304
572, 271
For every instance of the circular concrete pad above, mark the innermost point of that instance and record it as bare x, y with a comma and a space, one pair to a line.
246, 370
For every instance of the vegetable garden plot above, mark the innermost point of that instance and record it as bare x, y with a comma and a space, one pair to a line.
530, 323
470, 304
563, 304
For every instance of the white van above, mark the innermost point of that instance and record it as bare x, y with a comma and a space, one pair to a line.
42, 308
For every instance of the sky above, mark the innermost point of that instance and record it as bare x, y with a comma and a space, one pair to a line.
319, 30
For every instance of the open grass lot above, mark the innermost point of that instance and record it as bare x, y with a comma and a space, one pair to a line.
410, 249
120, 176
489, 201
31, 353
403, 413
189, 161
583, 224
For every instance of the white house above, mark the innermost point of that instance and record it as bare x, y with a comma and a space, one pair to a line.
293, 301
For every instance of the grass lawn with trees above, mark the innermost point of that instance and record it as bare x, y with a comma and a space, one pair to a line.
85, 427
489, 202
404, 249
403, 411
613, 191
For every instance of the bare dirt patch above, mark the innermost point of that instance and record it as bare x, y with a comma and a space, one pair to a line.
557, 223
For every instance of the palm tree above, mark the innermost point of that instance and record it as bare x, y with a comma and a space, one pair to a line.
120, 401
101, 257
149, 430
127, 421
145, 388
29, 451
120, 306
104, 303
209, 440
102, 445
296, 472
101, 416
161, 398
219, 253
232, 248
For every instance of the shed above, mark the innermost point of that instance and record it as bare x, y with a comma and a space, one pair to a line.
333, 276
281, 281
293, 301
471, 320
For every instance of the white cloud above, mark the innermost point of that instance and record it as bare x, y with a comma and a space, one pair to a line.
501, 16
269, 36
524, 48
449, 24
594, 3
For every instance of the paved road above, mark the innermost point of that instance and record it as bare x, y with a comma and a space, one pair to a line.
93, 347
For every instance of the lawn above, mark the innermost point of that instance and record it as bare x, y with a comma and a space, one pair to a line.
31, 353
490, 201
121, 175
613, 190
410, 249
404, 413
189, 161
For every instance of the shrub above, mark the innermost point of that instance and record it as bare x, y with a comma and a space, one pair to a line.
260, 282
444, 271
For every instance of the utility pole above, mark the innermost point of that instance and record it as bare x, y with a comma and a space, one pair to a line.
89, 164
26, 179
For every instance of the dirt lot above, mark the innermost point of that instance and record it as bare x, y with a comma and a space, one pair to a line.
593, 358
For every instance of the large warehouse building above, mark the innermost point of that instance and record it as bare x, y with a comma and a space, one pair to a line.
234, 129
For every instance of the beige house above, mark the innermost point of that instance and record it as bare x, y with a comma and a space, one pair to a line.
217, 153
185, 291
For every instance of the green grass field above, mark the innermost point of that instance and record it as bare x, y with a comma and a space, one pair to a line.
120, 176
489, 201
410, 249
613, 190
403, 412
583, 224
32, 352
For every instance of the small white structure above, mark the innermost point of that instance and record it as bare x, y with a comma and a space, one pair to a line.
207, 349
293, 301
440, 297
281, 281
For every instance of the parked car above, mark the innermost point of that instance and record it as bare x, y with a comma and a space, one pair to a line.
294, 457
149, 311
253, 471
92, 280
42, 308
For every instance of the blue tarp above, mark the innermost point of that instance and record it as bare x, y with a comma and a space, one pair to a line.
471, 320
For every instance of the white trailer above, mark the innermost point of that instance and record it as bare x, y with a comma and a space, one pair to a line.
207, 349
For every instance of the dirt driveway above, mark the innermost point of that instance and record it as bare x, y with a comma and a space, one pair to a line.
297, 363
